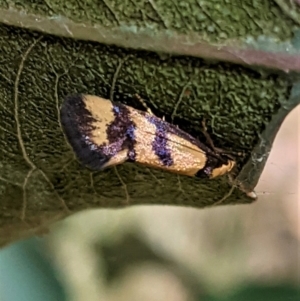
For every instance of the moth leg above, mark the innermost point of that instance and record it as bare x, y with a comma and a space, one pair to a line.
207, 136
217, 150
140, 99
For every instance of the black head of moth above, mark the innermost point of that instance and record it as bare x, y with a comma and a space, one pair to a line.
104, 133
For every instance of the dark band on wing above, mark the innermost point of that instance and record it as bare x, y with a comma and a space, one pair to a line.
160, 142
77, 123
122, 130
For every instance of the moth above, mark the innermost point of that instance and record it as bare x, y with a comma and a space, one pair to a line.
104, 133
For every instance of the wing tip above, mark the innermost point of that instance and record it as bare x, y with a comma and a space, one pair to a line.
76, 125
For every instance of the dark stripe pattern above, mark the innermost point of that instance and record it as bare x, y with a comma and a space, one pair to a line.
121, 133
77, 123
160, 142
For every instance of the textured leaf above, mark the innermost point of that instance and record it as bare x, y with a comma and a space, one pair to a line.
40, 179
